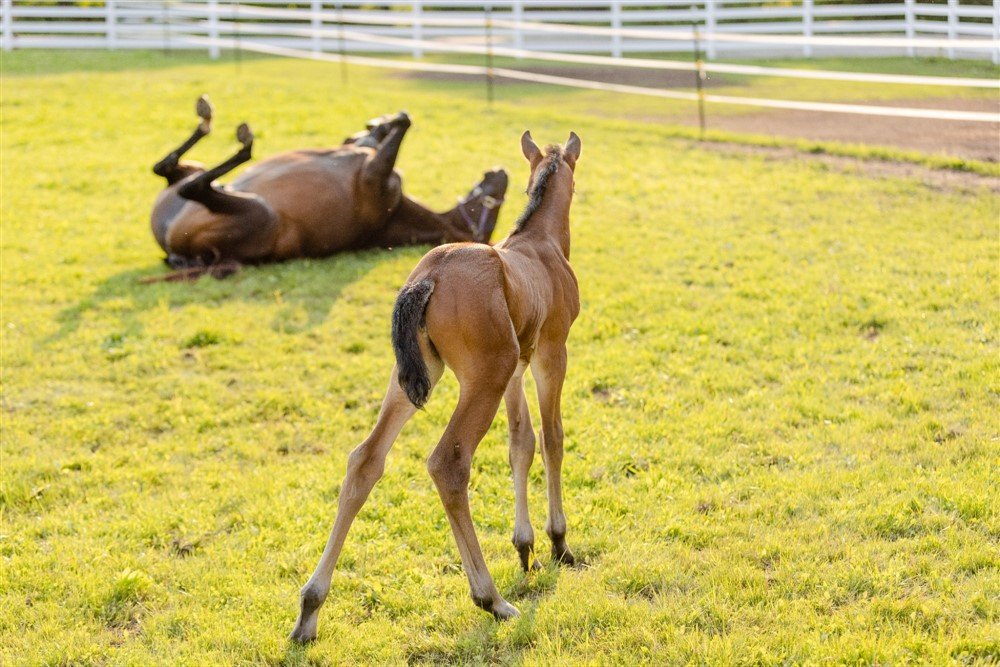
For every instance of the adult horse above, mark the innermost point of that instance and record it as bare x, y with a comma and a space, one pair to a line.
487, 312
306, 203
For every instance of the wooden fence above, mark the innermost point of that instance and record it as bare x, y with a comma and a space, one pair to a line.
956, 29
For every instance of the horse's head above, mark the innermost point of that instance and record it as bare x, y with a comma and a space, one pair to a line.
546, 174
552, 157
480, 208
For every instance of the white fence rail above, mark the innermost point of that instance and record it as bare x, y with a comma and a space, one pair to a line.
613, 27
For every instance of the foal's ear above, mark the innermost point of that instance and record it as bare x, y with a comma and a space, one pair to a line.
571, 151
530, 149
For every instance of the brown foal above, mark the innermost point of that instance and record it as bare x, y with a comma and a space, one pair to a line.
486, 312
306, 203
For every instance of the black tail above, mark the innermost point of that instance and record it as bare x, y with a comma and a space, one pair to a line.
407, 319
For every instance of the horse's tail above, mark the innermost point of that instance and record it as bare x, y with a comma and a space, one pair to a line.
407, 320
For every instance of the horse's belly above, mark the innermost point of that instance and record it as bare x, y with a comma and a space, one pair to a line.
166, 208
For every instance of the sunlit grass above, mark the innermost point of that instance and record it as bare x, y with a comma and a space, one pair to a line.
780, 411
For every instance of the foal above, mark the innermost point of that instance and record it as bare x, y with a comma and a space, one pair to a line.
486, 313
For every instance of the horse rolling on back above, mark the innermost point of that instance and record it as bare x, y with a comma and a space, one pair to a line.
488, 313
306, 203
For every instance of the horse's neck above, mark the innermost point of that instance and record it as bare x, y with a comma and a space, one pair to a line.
422, 218
550, 223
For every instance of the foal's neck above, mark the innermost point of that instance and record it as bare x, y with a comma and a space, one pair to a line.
550, 222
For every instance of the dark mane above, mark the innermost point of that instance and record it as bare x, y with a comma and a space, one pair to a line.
550, 164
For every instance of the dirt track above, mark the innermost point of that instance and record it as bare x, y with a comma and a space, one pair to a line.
971, 140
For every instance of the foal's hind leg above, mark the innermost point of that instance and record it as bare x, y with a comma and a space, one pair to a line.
522, 451
548, 368
215, 199
364, 467
170, 167
450, 465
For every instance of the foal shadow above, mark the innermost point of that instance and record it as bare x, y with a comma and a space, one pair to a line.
301, 293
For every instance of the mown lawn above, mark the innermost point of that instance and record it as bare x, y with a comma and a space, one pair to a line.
781, 409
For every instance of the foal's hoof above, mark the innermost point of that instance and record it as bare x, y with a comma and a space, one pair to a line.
563, 556
244, 134
204, 110
504, 610
500, 608
302, 635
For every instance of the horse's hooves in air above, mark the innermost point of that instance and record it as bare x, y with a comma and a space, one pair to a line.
204, 110
244, 134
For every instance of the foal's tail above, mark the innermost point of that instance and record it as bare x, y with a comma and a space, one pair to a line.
407, 319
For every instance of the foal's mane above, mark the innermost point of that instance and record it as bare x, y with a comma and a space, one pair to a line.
550, 164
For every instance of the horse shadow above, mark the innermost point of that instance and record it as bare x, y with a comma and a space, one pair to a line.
301, 292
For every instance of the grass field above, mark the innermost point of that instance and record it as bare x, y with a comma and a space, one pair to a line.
781, 409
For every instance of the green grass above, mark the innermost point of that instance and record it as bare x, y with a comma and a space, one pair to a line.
780, 412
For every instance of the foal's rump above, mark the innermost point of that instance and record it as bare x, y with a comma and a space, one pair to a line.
452, 306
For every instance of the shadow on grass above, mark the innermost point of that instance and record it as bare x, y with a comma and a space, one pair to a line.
302, 286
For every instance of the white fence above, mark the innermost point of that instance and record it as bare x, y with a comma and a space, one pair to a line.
613, 27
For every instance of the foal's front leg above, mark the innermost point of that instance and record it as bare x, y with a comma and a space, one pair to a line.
365, 466
548, 368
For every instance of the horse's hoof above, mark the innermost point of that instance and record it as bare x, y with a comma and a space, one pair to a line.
504, 610
565, 558
204, 110
302, 636
402, 120
500, 608
244, 134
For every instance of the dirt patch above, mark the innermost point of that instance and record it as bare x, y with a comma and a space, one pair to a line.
627, 76
963, 139
969, 140
939, 179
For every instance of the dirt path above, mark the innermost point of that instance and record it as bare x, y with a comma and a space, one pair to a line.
970, 140
940, 179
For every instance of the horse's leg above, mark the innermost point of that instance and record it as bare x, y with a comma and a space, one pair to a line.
364, 467
450, 464
548, 368
379, 166
169, 167
522, 451
217, 200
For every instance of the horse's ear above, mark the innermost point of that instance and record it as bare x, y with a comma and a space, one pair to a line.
571, 151
530, 149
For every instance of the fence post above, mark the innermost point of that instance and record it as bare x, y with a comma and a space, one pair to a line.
710, 28
166, 27
996, 31
111, 24
952, 27
616, 25
488, 27
699, 76
213, 29
518, 16
317, 24
418, 28
8, 26
911, 26
807, 26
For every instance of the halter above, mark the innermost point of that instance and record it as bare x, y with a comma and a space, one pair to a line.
489, 203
